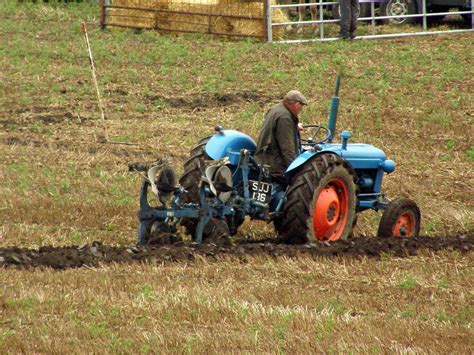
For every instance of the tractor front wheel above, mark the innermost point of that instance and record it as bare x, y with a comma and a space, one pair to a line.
400, 219
321, 202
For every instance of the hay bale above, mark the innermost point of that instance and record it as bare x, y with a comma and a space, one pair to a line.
216, 21
134, 17
204, 16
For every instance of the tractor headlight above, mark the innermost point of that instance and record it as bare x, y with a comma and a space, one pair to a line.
388, 166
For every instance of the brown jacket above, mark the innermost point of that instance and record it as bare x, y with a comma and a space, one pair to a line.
279, 140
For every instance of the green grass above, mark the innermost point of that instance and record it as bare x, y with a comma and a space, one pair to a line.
407, 283
470, 153
218, 62
326, 327
25, 306
408, 313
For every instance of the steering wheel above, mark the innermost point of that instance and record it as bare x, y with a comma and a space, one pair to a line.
314, 130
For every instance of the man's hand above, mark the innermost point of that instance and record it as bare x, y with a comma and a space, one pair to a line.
300, 127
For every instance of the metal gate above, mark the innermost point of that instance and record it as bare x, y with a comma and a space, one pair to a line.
327, 26
271, 22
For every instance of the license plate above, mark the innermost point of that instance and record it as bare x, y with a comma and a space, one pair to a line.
260, 191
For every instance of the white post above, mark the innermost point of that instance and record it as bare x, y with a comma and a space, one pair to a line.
472, 14
372, 14
268, 14
425, 22
102, 115
321, 18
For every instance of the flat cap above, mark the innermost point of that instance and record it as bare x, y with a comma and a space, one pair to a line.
295, 95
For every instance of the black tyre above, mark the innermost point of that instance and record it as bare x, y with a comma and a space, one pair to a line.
194, 168
400, 219
364, 10
321, 202
398, 8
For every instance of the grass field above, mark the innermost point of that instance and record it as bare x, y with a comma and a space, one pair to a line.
59, 185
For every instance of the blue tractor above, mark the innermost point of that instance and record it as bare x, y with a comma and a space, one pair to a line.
328, 184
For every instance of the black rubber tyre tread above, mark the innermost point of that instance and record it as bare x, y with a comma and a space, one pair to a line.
294, 227
391, 214
194, 168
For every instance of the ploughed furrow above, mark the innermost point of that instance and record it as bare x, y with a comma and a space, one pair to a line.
175, 250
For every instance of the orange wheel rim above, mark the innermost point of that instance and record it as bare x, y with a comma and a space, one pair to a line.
331, 211
405, 225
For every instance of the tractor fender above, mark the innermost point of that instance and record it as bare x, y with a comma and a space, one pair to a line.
228, 143
303, 158
299, 161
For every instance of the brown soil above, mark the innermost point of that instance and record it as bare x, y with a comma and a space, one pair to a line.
172, 249
213, 100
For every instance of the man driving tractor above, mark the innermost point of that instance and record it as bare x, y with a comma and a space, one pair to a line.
279, 140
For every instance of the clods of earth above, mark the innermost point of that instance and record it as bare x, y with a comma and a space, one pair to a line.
172, 249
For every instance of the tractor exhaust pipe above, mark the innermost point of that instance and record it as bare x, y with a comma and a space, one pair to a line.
333, 110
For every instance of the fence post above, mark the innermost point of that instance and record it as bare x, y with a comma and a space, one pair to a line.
425, 22
372, 14
102, 14
321, 18
472, 14
268, 20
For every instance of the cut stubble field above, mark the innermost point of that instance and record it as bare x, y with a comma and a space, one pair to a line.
72, 279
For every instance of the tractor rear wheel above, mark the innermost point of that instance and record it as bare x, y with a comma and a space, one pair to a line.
400, 219
194, 168
321, 202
